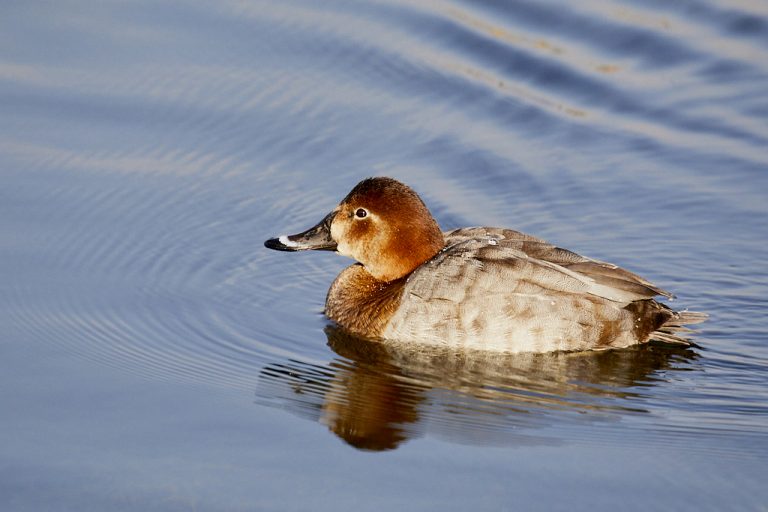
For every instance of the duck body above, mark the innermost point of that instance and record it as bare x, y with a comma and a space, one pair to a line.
475, 288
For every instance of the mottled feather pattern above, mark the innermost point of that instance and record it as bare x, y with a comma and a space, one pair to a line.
558, 299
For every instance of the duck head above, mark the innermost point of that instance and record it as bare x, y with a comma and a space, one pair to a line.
382, 224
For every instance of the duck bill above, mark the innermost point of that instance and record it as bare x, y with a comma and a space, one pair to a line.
315, 238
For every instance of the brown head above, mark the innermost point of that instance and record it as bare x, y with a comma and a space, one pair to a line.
381, 223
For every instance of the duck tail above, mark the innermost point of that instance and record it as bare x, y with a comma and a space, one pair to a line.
674, 330
657, 321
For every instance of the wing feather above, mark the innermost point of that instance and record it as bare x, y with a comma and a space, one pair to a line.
547, 266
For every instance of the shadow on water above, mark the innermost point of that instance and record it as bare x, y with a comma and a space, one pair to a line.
376, 396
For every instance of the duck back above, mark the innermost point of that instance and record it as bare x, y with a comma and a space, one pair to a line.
499, 289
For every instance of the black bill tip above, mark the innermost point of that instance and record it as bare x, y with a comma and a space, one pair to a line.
282, 243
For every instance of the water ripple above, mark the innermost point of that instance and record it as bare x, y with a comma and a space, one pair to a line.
154, 180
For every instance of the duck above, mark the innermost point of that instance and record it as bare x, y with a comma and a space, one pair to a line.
478, 288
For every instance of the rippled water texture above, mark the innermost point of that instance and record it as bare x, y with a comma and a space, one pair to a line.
154, 356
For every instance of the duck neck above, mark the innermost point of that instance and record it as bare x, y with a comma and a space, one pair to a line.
361, 303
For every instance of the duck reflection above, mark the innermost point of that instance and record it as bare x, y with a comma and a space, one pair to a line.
376, 395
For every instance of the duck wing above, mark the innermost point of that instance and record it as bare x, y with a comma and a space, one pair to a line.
550, 264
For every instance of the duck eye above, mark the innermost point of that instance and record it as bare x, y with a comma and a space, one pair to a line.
360, 213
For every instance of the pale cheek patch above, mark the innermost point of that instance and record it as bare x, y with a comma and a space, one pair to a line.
344, 249
341, 245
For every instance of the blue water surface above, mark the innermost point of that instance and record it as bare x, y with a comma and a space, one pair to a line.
155, 356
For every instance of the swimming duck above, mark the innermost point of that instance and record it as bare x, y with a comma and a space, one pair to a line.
476, 288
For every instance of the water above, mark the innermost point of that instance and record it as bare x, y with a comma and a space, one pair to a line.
156, 357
